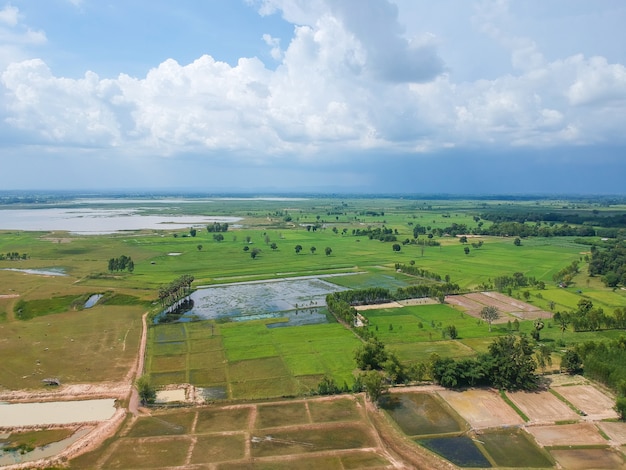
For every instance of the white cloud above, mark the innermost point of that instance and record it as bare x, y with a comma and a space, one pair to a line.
348, 80
274, 43
16, 38
9, 15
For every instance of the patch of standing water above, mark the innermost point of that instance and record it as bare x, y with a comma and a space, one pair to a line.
50, 450
460, 451
292, 298
213, 393
41, 272
93, 300
14, 415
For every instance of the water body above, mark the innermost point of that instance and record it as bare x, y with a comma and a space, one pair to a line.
56, 412
50, 450
41, 272
93, 300
299, 300
98, 221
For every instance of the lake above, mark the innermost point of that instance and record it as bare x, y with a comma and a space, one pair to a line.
99, 221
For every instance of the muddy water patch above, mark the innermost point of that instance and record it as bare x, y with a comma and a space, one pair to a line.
40, 272
57, 412
420, 414
43, 452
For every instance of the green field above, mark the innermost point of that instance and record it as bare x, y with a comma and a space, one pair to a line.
47, 332
251, 360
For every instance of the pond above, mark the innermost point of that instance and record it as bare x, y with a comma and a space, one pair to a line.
299, 300
40, 272
92, 300
14, 415
50, 450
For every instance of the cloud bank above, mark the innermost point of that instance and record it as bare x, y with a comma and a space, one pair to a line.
349, 80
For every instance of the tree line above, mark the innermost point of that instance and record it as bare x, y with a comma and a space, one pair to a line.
13, 256
609, 263
604, 362
121, 263
217, 227
172, 295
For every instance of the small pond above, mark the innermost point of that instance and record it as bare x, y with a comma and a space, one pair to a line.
41, 272
50, 450
14, 415
92, 300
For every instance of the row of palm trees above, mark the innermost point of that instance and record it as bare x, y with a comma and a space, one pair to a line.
172, 295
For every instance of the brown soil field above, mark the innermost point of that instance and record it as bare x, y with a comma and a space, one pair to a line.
482, 408
585, 459
473, 303
615, 430
589, 399
578, 434
542, 407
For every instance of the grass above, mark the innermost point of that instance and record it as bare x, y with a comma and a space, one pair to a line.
509, 402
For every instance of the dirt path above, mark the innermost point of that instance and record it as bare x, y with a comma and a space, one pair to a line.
137, 371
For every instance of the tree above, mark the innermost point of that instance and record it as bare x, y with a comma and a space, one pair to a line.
218, 237
466, 250
571, 362
544, 357
490, 313
298, 248
537, 327
450, 331
371, 355
199, 247
374, 384
147, 393
396, 247
463, 239
511, 364
192, 232
273, 246
328, 250
255, 252
620, 407
246, 248
517, 241
313, 250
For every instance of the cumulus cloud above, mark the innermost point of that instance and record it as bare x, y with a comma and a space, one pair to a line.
348, 80
16, 38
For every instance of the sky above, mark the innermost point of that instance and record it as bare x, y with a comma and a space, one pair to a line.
342, 96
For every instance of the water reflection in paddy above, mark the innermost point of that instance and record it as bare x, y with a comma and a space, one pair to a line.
298, 300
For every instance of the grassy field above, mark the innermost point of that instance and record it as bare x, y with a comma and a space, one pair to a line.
251, 359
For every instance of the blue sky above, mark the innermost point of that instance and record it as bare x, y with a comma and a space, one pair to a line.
453, 96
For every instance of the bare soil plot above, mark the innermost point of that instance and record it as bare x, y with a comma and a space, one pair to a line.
578, 434
378, 306
474, 302
481, 408
589, 399
584, 459
542, 407
615, 430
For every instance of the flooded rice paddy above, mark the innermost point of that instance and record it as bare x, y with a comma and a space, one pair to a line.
298, 301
